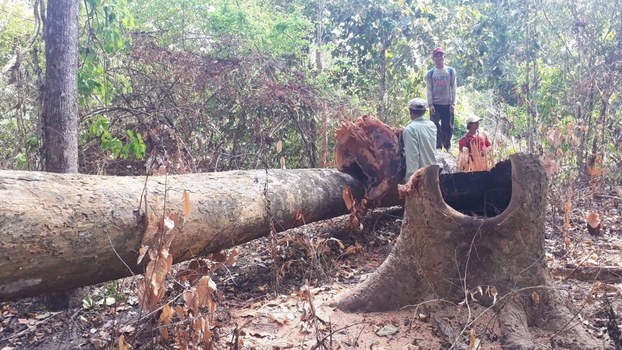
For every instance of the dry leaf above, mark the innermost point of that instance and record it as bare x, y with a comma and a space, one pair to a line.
473, 341
593, 219
141, 253
122, 344
151, 288
190, 300
279, 146
282, 162
554, 137
348, 199
180, 312
298, 219
150, 232
167, 314
187, 206
387, 331
233, 257
163, 332
169, 224
535, 297
356, 248
593, 223
551, 167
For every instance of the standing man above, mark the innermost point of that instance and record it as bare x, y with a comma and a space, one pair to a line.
419, 138
441, 95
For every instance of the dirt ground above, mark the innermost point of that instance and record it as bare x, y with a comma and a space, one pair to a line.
279, 293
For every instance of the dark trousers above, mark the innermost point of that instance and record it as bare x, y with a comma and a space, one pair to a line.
444, 120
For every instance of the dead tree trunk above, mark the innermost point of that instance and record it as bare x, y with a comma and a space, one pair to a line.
442, 253
61, 231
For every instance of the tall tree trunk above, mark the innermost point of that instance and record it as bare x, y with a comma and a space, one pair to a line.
444, 254
382, 85
319, 34
61, 231
60, 95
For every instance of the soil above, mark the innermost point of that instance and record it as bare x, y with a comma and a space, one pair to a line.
279, 293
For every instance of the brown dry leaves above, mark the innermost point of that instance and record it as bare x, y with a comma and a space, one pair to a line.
357, 209
158, 237
152, 287
194, 326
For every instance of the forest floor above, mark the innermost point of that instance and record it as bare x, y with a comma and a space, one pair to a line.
278, 294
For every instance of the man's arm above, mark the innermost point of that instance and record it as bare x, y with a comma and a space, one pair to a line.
487, 142
462, 143
428, 88
454, 85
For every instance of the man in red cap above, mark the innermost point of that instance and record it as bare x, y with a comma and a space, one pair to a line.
441, 97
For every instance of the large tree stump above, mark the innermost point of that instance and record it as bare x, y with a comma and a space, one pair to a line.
442, 253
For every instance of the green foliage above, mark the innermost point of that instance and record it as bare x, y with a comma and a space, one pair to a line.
220, 82
107, 23
134, 145
15, 28
226, 27
103, 297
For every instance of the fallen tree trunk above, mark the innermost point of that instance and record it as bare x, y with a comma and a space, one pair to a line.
61, 231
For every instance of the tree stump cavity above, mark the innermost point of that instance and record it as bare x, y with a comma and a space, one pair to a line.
490, 237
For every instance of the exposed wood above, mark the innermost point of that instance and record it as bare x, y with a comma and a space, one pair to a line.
371, 152
442, 254
61, 231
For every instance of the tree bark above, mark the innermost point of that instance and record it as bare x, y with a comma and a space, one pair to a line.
60, 93
444, 254
61, 231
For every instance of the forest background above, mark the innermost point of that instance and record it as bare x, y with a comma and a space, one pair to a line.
198, 86
185, 86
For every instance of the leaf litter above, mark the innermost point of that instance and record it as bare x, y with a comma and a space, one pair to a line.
318, 263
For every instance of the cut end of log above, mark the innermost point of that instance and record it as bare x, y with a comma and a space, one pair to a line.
371, 152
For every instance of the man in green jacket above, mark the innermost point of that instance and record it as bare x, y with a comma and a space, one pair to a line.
419, 138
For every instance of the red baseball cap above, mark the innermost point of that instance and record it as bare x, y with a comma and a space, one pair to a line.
438, 50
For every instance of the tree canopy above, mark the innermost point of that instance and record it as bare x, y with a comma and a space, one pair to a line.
189, 86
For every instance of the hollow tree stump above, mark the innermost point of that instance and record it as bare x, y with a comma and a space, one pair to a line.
444, 254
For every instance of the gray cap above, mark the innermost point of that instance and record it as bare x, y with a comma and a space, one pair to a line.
473, 119
417, 104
